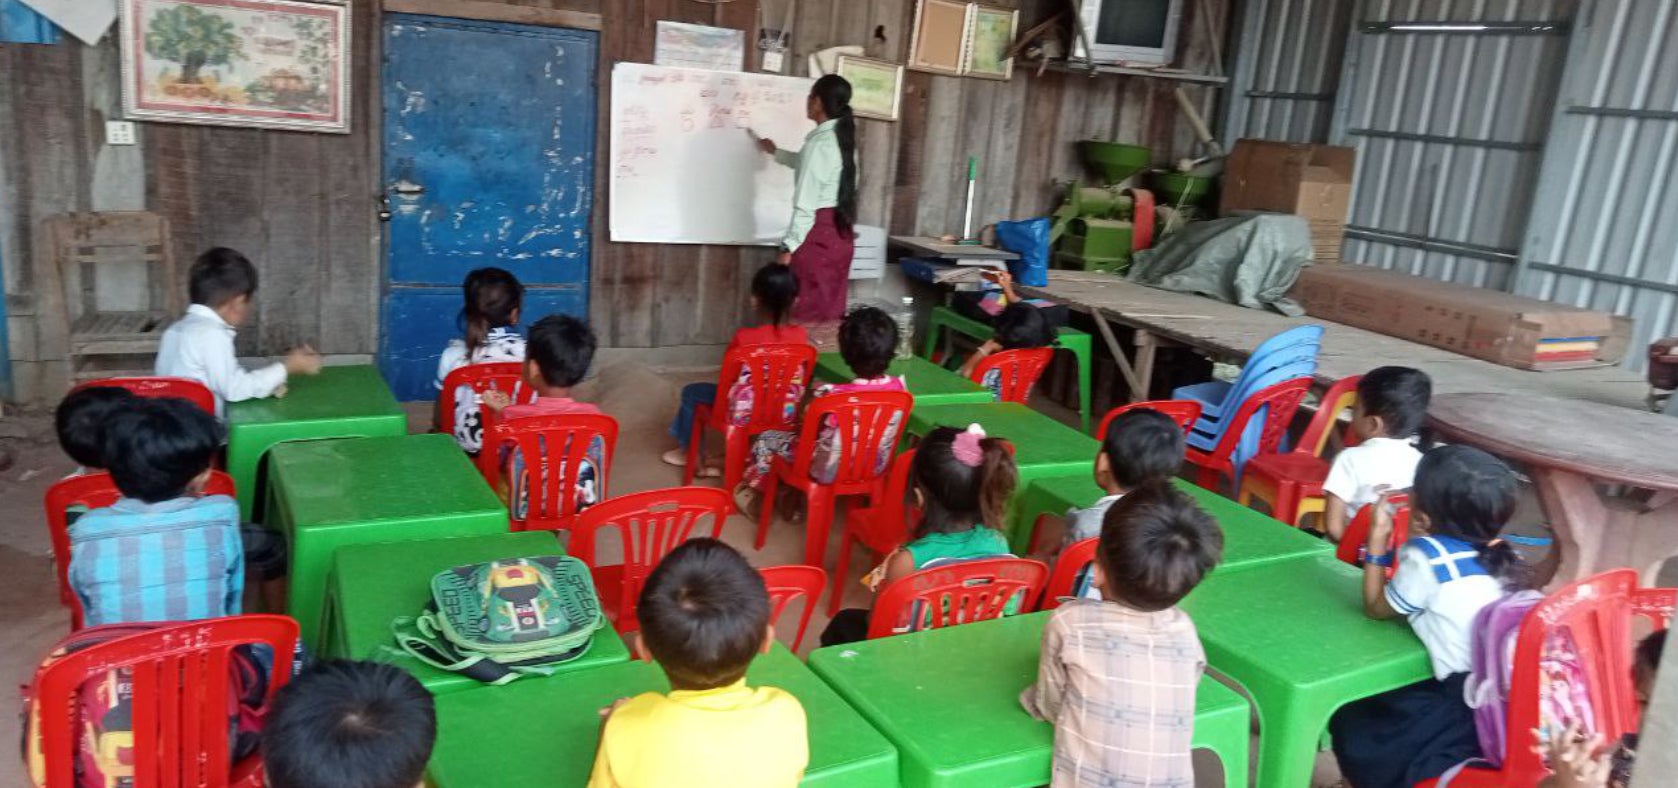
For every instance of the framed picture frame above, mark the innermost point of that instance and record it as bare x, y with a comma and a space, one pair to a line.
280, 64
876, 86
939, 41
990, 36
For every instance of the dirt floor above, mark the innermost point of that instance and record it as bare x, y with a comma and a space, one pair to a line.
641, 397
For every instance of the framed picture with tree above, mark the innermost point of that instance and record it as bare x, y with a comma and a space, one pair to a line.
260, 63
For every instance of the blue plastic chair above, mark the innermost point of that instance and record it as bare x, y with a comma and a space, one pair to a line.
1290, 354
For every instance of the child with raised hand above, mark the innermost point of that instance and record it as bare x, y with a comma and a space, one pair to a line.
345, 724
199, 346
80, 421
1020, 326
704, 616
1117, 677
165, 551
962, 482
1388, 419
774, 289
494, 299
867, 343
1461, 499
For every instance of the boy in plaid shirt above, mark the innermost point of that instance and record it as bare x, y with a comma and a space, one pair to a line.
1117, 677
164, 552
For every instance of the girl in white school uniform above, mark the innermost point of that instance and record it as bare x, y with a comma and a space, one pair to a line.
1462, 498
491, 313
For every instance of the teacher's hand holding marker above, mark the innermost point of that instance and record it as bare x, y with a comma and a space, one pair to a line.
820, 239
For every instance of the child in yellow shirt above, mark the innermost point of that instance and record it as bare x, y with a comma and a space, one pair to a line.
704, 615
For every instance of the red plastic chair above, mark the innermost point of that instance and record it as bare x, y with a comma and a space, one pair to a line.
959, 593
787, 583
863, 428
180, 705
159, 387
1020, 370
559, 442
1292, 482
1597, 613
1283, 400
775, 371
1072, 561
1183, 411
94, 491
879, 528
1357, 532
649, 525
505, 376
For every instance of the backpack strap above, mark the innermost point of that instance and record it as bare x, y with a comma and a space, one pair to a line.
418, 638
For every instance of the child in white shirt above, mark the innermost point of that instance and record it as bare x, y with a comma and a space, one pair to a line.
199, 346
494, 298
1392, 406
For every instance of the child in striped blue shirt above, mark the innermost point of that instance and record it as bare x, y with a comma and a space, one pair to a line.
164, 551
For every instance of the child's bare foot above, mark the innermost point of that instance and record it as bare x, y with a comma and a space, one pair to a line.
676, 457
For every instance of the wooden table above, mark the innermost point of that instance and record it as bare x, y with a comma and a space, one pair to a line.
1294, 635
927, 246
373, 584
949, 700
329, 494
340, 402
1567, 448
534, 734
930, 383
1043, 447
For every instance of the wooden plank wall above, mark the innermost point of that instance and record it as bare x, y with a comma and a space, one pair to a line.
303, 206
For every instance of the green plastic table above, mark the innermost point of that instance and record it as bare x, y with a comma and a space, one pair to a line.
558, 728
1078, 343
1294, 635
329, 494
949, 699
1250, 538
1043, 448
930, 383
340, 402
373, 584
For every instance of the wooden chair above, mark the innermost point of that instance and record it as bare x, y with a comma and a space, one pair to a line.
116, 276
649, 525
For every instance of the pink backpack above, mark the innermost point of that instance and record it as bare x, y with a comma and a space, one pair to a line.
1563, 694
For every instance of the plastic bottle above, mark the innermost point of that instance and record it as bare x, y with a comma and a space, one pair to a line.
906, 328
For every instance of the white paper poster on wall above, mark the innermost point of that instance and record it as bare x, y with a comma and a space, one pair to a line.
684, 45
685, 168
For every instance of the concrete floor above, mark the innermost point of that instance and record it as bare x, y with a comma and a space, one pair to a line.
640, 397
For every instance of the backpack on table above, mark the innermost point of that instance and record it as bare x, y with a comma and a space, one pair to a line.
499, 620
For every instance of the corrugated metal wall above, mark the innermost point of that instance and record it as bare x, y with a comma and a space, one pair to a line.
1289, 70
1449, 104
1604, 230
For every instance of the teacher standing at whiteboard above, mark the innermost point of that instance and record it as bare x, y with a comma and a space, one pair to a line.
820, 242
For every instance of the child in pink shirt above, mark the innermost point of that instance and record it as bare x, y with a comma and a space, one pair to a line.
557, 357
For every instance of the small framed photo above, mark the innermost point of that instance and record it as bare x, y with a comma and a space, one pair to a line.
991, 37
876, 86
939, 43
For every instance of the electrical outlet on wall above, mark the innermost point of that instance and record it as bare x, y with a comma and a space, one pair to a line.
119, 132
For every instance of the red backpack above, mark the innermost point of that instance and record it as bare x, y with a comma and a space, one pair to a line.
105, 753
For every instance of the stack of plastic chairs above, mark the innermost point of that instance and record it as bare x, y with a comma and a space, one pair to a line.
1285, 356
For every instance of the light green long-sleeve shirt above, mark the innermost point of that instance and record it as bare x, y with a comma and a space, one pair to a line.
819, 166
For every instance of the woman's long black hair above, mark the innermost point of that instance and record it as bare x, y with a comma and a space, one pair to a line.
834, 92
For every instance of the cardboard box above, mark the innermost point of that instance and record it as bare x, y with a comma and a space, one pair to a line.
1486, 324
1313, 181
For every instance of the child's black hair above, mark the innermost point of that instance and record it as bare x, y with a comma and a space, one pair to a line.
493, 299
156, 447
1022, 326
219, 276
1143, 445
957, 496
1156, 545
1470, 495
349, 725
562, 347
868, 341
81, 419
1400, 396
704, 614
1647, 657
775, 288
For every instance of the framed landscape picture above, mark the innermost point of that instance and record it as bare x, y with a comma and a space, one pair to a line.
280, 64
991, 36
876, 86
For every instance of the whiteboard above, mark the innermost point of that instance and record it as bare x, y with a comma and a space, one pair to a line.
684, 168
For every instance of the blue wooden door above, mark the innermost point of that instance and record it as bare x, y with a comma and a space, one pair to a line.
488, 160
